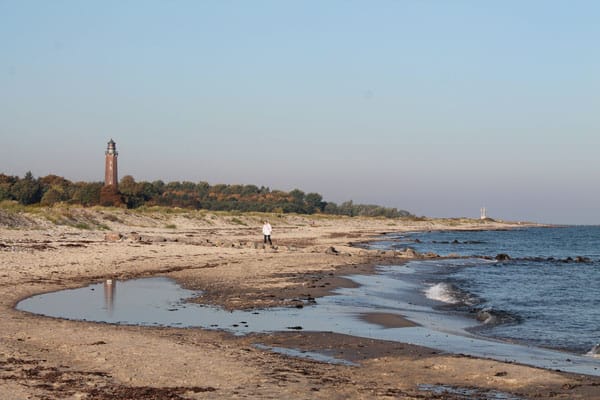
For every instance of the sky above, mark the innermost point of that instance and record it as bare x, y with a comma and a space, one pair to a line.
436, 107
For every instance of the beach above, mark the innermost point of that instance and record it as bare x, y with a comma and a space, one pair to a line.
222, 254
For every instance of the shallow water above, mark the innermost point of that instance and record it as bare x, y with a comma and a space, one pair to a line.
161, 302
468, 393
311, 355
546, 294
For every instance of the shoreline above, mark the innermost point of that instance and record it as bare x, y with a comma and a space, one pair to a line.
88, 360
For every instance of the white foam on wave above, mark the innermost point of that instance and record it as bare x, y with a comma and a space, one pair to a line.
594, 352
486, 316
441, 292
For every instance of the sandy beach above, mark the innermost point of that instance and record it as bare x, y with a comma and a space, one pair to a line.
223, 255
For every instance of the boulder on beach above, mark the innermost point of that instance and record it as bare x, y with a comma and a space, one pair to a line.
408, 252
332, 250
112, 236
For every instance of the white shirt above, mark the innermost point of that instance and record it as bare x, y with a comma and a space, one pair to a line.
267, 229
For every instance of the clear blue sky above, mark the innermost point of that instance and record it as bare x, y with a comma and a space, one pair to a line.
437, 107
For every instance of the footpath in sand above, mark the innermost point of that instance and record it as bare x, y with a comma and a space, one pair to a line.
222, 255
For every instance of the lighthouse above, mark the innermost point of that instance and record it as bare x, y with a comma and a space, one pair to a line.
483, 213
110, 166
109, 194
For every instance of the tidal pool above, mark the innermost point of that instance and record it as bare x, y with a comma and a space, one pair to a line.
162, 302
468, 393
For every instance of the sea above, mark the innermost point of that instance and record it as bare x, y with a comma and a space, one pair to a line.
538, 286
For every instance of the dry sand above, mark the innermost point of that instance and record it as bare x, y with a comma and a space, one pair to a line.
221, 254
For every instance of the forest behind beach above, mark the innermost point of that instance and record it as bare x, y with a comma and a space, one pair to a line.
52, 189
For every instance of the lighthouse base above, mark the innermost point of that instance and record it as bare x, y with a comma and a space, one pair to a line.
110, 197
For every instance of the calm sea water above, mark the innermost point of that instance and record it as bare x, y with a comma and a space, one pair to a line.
547, 294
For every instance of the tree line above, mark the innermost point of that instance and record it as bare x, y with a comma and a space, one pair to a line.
52, 189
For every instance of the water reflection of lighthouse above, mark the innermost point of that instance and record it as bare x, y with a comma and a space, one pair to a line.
110, 289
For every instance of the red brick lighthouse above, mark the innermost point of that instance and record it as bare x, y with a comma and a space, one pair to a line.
111, 178
109, 194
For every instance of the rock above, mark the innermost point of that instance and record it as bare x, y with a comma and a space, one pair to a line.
134, 237
112, 236
332, 250
485, 316
410, 253
581, 259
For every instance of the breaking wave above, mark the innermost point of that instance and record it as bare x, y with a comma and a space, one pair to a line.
594, 352
450, 294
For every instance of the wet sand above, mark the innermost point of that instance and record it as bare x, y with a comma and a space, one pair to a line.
222, 255
387, 320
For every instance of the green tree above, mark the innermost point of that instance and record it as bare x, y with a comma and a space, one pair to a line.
250, 190
314, 202
27, 190
347, 208
128, 186
298, 196
53, 180
202, 188
132, 191
188, 186
86, 194
148, 191
55, 194
6, 183
159, 186
173, 186
236, 189
331, 208
220, 188
5, 192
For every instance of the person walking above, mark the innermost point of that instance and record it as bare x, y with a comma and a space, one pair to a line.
267, 229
